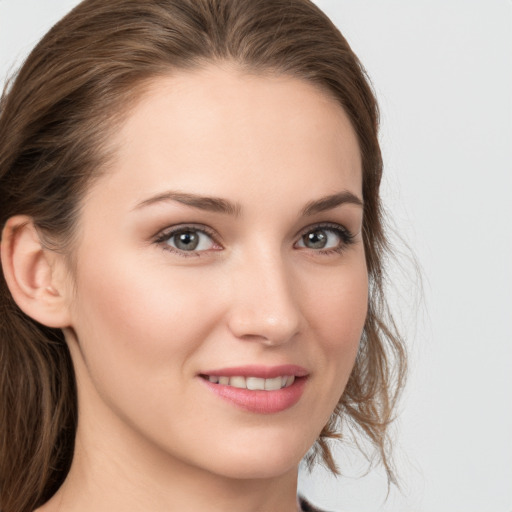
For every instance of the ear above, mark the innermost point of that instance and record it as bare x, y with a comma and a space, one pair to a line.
35, 275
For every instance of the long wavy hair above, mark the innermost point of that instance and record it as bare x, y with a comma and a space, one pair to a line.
71, 93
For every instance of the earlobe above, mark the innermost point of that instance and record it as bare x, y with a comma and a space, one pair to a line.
34, 274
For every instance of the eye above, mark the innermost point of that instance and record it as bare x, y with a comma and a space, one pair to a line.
187, 239
326, 238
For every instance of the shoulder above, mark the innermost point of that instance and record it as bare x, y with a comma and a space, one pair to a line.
305, 506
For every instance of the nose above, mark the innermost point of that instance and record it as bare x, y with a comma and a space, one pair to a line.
264, 307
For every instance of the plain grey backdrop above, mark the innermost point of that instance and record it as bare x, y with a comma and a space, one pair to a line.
442, 71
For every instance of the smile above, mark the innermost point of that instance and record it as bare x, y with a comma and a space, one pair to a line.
258, 389
253, 383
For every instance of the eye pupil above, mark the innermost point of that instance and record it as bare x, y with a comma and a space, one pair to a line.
186, 241
315, 239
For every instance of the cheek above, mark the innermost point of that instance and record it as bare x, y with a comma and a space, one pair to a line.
138, 334
140, 320
337, 316
338, 310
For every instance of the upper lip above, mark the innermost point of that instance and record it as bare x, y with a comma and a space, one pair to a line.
263, 372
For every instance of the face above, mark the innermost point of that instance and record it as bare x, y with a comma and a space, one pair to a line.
220, 288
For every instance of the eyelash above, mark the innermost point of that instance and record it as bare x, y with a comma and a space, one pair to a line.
346, 238
165, 235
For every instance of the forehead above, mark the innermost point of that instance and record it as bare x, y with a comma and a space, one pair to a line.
218, 130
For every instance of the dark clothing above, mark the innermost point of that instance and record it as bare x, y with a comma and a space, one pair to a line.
305, 506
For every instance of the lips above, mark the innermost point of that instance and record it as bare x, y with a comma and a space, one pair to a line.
258, 389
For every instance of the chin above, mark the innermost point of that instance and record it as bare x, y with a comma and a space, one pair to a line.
261, 459
258, 469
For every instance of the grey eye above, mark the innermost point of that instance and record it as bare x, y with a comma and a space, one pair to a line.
190, 240
187, 241
321, 238
316, 239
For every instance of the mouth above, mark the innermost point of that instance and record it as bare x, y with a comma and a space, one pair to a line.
258, 389
252, 383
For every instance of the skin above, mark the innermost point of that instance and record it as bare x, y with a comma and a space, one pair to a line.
144, 321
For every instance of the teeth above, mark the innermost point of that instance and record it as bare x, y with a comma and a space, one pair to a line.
254, 383
272, 384
237, 382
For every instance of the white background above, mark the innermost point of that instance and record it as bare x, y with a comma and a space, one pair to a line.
442, 70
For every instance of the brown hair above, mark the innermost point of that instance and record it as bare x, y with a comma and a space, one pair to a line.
69, 95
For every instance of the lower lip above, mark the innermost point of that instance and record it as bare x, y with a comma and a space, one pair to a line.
259, 401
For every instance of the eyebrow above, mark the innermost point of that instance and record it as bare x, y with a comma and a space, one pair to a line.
210, 204
330, 202
219, 205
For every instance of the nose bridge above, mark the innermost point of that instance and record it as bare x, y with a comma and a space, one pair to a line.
264, 306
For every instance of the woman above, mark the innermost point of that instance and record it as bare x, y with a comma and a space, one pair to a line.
192, 257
